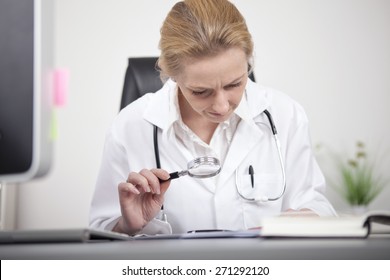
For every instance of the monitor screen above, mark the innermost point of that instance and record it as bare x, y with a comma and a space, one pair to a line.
25, 102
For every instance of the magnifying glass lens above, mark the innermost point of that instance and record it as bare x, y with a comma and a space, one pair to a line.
204, 167
204, 170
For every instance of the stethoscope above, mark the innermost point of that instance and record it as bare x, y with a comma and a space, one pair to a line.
205, 167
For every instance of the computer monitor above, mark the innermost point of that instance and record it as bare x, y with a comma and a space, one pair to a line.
26, 67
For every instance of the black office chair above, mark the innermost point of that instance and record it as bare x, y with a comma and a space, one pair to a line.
142, 77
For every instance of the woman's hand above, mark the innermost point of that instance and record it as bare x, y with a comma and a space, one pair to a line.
141, 198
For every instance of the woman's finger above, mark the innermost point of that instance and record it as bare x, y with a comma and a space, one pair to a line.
152, 179
162, 175
138, 181
126, 188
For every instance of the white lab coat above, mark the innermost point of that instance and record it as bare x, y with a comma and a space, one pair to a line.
213, 203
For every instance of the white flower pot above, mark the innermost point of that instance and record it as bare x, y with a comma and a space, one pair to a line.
359, 209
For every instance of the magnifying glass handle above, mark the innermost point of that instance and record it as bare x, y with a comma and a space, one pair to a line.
173, 175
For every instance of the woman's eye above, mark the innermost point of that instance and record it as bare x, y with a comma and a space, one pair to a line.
207, 91
234, 85
199, 92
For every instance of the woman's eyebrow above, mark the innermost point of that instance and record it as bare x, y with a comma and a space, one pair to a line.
237, 79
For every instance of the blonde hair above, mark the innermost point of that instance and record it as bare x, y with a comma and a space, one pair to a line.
199, 28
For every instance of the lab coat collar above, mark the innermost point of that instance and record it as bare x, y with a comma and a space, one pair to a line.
161, 110
253, 103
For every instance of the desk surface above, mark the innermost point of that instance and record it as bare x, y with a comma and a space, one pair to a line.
225, 248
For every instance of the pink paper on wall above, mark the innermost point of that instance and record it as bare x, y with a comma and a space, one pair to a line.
61, 80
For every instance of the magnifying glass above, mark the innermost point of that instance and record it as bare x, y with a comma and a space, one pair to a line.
201, 167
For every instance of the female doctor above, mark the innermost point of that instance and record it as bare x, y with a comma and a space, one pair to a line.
207, 107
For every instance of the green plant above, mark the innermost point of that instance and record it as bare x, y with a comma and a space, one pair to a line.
360, 184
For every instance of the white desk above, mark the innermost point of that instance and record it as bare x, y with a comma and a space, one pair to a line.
244, 248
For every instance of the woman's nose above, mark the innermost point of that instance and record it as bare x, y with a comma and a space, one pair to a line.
221, 103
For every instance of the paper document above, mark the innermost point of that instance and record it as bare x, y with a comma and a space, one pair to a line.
198, 234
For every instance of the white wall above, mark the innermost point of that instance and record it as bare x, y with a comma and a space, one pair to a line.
332, 56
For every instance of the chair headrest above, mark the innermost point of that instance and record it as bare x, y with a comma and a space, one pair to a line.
141, 77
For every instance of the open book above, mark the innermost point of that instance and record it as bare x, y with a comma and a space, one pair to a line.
342, 226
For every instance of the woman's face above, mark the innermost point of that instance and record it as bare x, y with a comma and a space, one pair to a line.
212, 87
